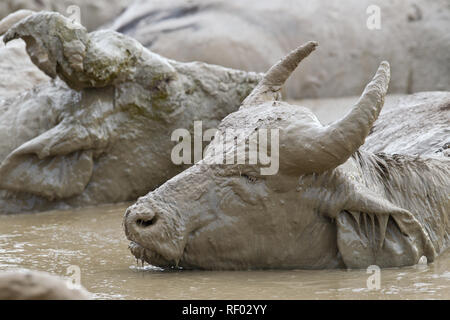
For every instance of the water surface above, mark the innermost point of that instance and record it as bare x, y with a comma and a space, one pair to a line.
93, 240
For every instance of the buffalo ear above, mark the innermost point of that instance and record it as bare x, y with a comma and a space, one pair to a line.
373, 231
51, 165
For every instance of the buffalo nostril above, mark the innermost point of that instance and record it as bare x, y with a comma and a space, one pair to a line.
145, 222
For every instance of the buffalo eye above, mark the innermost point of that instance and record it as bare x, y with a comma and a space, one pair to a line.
249, 178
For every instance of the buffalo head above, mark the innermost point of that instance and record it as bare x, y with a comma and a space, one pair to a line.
102, 134
327, 206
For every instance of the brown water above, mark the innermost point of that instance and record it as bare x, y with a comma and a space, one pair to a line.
93, 240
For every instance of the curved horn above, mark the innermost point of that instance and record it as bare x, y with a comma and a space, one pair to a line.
343, 137
13, 18
325, 148
87, 60
54, 44
269, 87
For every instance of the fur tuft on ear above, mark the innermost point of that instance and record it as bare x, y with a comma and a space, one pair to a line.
373, 231
383, 240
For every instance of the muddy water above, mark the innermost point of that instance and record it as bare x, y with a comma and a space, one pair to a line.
92, 239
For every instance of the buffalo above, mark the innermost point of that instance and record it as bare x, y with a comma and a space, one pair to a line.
99, 131
250, 35
332, 204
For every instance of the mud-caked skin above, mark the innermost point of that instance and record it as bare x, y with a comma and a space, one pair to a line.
36, 285
417, 125
252, 34
100, 131
330, 205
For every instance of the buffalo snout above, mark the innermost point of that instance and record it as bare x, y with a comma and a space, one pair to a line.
138, 217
